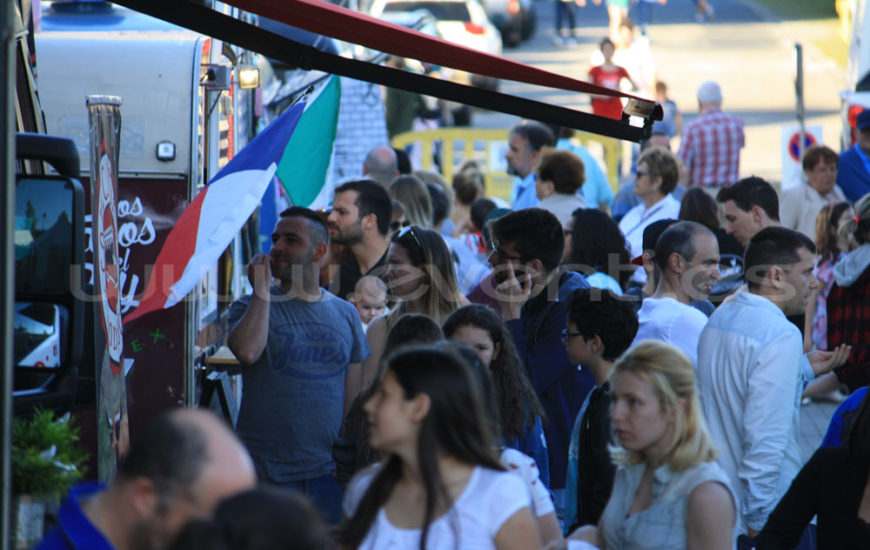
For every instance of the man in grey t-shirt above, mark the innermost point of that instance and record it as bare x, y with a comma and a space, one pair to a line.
301, 350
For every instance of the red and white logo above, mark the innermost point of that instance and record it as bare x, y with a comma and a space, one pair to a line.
108, 272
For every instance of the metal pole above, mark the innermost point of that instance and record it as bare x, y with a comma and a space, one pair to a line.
7, 275
799, 97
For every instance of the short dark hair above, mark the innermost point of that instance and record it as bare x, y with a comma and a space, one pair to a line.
171, 452
535, 233
317, 231
537, 134
265, 518
564, 169
599, 311
403, 161
480, 209
371, 198
604, 41
773, 246
698, 206
440, 204
679, 238
412, 329
816, 153
749, 192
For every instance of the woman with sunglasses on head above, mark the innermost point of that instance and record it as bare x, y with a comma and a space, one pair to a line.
441, 485
669, 492
421, 279
519, 410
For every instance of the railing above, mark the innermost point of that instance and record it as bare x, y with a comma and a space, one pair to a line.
453, 146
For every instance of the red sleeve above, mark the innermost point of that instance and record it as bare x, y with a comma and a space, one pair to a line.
593, 74
624, 74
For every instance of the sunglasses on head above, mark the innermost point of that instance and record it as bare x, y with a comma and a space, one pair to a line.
396, 225
410, 229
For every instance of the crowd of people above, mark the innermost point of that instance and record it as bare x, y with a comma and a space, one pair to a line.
432, 367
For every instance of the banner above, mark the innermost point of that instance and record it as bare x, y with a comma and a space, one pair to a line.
104, 115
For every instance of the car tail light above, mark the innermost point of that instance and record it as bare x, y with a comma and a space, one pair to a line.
474, 28
513, 7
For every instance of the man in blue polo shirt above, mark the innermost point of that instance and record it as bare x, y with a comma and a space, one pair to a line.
853, 172
524, 151
178, 469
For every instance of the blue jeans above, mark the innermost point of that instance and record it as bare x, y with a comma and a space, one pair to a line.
565, 10
644, 14
326, 494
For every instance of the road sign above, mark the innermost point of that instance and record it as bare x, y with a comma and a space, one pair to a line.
792, 173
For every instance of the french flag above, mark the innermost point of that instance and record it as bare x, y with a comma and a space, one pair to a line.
207, 226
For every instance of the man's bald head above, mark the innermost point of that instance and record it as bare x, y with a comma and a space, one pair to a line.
381, 165
178, 468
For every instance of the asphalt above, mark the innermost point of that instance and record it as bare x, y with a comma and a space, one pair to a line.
747, 50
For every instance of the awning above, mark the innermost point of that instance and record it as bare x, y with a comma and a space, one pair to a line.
324, 18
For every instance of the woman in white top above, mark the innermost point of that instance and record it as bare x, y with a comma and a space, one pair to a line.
669, 491
441, 485
657, 175
559, 176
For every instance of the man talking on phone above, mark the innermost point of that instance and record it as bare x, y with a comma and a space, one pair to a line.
533, 291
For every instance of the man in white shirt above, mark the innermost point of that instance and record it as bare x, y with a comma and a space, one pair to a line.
751, 369
687, 256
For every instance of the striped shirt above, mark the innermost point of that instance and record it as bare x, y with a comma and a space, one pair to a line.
710, 148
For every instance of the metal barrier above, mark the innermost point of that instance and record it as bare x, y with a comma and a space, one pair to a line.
450, 147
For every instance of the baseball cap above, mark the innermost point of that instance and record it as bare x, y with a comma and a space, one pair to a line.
651, 234
863, 120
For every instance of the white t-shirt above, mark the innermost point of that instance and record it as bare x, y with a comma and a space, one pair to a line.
524, 466
489, 499
671, 322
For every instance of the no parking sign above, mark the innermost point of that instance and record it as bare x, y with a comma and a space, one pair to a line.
792, 172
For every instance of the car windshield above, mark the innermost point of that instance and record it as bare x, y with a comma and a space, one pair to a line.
442, 11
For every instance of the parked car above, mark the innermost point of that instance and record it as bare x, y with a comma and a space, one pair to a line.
462, 22
516, 20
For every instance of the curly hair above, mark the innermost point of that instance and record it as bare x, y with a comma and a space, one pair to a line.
512, 386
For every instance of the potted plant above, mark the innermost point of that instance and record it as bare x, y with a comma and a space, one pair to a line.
46, 462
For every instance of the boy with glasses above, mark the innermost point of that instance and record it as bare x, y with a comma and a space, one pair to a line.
599, 328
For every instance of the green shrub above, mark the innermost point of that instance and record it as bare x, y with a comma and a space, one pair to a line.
46, 457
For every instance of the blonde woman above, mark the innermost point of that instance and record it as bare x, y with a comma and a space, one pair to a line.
420, 279
669, 491
415, 199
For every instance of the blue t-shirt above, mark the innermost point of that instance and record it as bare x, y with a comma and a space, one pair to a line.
73, 530
834, 435
293, 395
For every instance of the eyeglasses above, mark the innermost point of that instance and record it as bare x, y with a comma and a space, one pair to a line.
641, 174
498, 255
396, 225
405, 231
567, 335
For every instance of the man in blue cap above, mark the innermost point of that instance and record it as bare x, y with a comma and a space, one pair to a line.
853, 175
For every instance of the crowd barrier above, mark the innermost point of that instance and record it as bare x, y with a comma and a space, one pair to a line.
445, 149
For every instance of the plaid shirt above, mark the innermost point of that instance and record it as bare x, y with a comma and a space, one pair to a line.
849, 323
710, 148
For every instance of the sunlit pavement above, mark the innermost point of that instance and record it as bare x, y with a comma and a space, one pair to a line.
745, 49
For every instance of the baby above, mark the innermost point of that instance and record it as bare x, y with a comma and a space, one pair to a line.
370, 298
